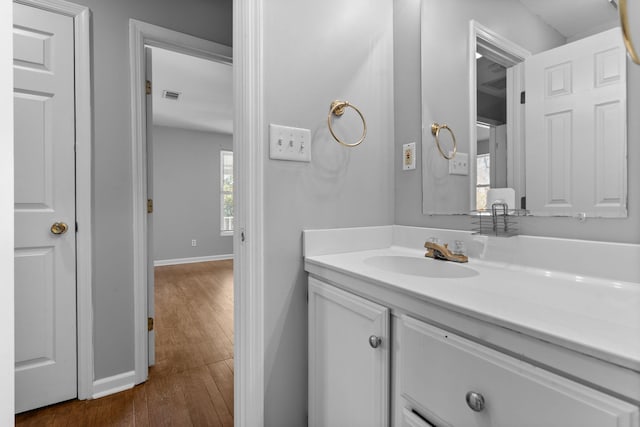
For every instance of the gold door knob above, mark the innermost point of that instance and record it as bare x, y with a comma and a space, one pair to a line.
59, 228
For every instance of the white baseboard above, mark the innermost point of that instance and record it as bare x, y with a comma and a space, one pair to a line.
110, 385
161, 262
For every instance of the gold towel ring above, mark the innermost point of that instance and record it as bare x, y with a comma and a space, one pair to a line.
435, 130
337, 109
626, 34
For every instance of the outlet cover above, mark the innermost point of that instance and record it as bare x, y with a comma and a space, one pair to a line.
289, 143
459, 165
409, 156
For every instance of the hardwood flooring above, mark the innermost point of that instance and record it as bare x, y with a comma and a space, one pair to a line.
192, 381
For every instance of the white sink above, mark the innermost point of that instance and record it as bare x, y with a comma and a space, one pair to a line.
425, 267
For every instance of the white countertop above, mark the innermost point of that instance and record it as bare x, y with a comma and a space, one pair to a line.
595, 316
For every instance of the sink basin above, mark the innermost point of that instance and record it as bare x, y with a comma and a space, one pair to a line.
425, 267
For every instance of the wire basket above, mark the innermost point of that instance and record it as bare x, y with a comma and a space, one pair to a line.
497, 221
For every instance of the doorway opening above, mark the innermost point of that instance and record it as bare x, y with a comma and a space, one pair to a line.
496, 87
190, 228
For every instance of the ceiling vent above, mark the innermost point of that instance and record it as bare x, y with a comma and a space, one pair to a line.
171, 94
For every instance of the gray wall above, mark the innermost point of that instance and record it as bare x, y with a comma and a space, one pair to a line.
112, 170
446, 77
408, 185
325, 51
186, 193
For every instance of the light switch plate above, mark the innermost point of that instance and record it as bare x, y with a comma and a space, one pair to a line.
409, 156
289, 143
459, 165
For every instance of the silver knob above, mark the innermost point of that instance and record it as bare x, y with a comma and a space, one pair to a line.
375, 341
475, 401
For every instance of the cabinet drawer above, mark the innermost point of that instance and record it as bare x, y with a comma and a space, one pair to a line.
438, 369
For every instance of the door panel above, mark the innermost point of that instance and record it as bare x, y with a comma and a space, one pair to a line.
44, 140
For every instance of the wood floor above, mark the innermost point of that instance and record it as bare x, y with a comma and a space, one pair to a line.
192, 381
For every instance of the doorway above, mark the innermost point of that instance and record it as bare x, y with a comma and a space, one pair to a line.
142, 36
190, 224
496, 116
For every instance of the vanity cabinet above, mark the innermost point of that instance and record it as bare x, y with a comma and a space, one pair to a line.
435, 378
348, 359
451, 381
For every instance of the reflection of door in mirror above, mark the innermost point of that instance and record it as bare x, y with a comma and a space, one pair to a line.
575, 121
497, 162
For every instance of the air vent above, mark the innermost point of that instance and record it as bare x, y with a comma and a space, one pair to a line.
171, 94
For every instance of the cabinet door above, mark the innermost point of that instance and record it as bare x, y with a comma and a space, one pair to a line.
348, 369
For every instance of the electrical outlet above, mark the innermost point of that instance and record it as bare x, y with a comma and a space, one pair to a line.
459, 165
288, 143
409, 156
194, 242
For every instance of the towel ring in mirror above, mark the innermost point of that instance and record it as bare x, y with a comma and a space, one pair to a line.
626, 31
435, 130
337, 109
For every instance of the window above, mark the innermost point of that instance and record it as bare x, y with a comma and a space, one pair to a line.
226, 193
483, 180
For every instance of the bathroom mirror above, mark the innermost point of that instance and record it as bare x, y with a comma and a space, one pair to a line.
535, 93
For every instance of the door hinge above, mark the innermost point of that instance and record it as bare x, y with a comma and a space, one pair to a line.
522, 97
150, 323
149, 205
148, 87
76, 226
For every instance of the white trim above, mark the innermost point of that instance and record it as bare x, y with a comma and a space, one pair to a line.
510, 53
114, 384
83, 123
7, 350
141, 34
248, 147
176, 261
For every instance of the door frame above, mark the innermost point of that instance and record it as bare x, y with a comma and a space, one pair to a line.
84, 183
142, 34
510, 53
249, 139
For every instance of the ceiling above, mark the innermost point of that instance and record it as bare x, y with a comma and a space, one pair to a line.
575, 19
205, 102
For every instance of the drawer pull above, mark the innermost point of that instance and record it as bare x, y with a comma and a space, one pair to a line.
475, 401
374, 341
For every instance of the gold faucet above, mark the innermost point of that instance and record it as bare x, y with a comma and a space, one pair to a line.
438, 251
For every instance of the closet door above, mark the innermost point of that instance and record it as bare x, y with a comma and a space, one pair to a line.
45, 217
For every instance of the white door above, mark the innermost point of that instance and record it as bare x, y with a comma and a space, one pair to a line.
151, 341
348, 369
575, 128
45, 262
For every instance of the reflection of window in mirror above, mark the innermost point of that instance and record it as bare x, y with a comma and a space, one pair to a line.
483, 180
